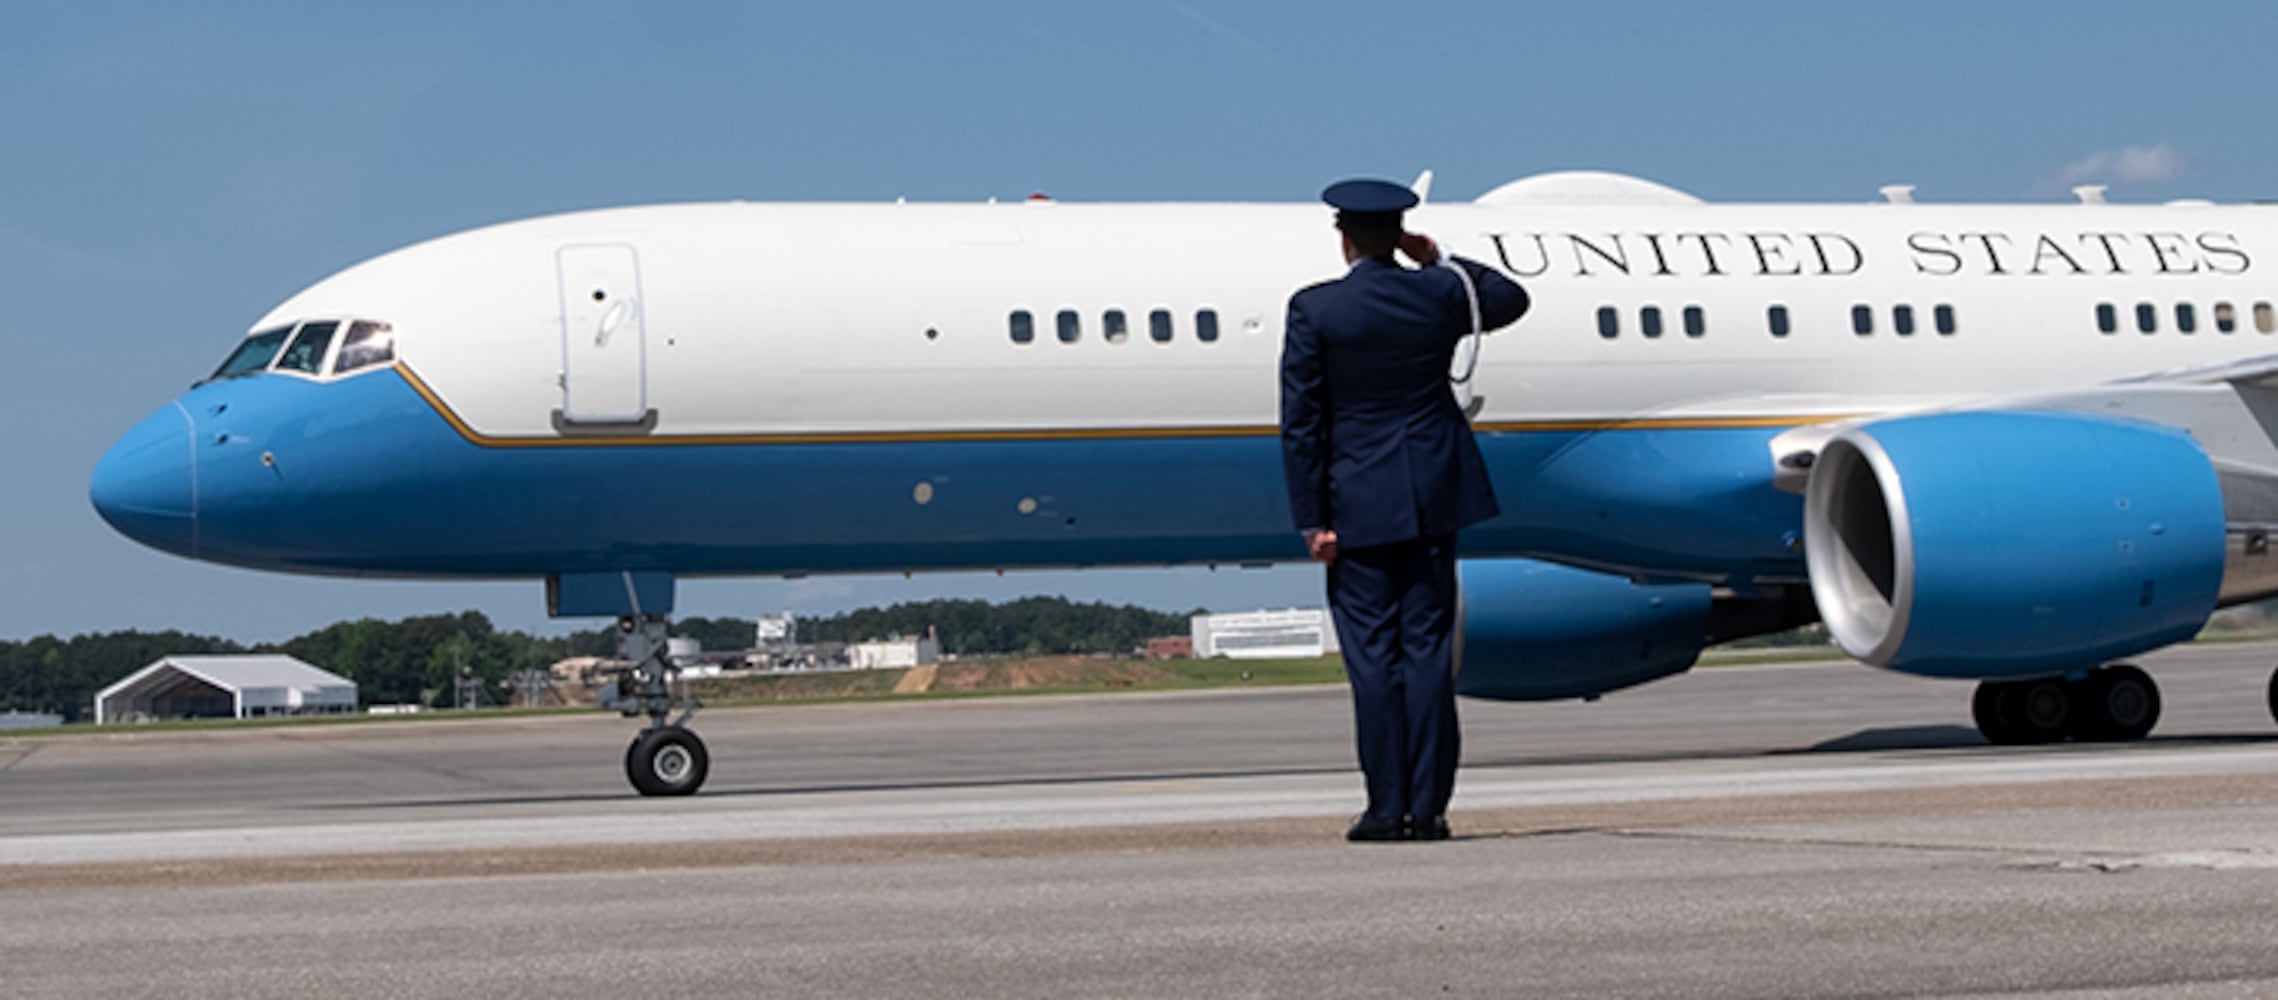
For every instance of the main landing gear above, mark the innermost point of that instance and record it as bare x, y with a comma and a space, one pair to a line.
2111, 704
666, 758
2274, 695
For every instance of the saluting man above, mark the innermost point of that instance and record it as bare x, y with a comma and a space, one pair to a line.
1382, 473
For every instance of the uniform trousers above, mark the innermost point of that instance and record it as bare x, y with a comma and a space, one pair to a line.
1394, 607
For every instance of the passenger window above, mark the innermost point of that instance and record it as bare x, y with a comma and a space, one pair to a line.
1071, 326
1944, 317
1206, 325
1023, 326
2107, 318
1159, 325
1609, 322
1695, 322
1113, 328
1862, 320
1902, 320
368, 343
2264, 320
1778, 316
254, 354
2226, 318
308, 349
1649, 321
2147, 317
2186, 318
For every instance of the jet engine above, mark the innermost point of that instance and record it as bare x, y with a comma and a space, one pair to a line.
1536, 631
2005, 544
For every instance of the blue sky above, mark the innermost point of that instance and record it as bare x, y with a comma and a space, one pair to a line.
169, 171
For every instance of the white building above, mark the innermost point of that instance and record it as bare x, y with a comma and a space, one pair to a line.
225, 687
892, 653
1265, 635
684, 652
776, 631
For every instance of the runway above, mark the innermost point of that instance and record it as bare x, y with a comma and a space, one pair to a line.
1813, 830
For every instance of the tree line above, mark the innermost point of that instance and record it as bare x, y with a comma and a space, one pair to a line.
1031, 626
418, 660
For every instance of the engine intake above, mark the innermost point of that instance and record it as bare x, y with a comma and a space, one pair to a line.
2010, 544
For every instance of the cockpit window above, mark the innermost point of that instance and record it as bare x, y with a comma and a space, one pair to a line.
254, 354
307, 352
369, 342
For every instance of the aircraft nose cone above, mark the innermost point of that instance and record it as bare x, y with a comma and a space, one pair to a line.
144, 486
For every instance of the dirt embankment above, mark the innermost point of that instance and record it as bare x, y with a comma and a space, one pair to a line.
1066, 673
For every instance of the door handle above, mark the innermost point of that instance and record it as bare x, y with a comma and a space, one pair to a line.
611, 320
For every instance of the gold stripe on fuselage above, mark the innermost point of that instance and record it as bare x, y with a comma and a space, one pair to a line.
1050, 434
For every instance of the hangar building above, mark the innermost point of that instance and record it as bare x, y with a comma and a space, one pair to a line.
1258, 635
225, 687
886, 654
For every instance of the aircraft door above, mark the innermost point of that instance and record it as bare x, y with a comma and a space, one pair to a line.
604, 334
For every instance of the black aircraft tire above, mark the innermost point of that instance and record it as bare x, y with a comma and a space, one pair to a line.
2116, 704
2274, 696
1985, 708
667, 760
2037, 711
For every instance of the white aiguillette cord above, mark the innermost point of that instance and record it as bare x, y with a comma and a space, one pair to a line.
1460, 384
1468, 360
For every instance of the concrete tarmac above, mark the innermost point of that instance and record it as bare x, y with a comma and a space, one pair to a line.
1814, 830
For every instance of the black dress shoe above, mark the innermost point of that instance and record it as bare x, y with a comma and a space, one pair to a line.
1377, 830
1431, 828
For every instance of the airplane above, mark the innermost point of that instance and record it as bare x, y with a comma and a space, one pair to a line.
2015, 444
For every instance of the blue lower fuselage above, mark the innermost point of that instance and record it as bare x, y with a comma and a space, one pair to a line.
365, 476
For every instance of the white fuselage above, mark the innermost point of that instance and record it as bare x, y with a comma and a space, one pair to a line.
825, 319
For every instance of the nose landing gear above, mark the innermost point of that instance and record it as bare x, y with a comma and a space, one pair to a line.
666, 758
2112, 704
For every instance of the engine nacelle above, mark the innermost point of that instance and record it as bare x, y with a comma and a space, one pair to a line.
2009, 544
1535, 631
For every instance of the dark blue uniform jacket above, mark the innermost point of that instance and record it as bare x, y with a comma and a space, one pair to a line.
1373, 445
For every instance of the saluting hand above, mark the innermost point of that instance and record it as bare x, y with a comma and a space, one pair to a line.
1420, 249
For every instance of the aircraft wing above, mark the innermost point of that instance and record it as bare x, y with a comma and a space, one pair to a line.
2258, 372
2230, 409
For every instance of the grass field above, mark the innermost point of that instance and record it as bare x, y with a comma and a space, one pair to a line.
977, 678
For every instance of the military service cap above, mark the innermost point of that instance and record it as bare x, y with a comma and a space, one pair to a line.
1369, 204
